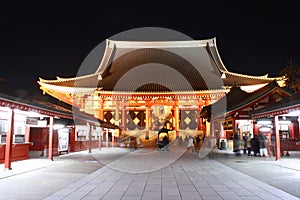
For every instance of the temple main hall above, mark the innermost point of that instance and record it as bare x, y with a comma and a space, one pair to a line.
142, 85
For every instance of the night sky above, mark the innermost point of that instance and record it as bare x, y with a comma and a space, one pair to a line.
48, 39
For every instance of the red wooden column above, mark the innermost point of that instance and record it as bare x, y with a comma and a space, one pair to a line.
147, 121
100, 138
298, 128
50, 142
117, 119
113, 138
101, 116
277, 137
27, 134
177, 119
9, 140
90, 138
106, 137
72, 139
199, 119
101, 112
292, 129
212, 129
124, 117
255, 128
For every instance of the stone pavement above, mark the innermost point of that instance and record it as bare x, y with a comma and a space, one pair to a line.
283, 174
141, 174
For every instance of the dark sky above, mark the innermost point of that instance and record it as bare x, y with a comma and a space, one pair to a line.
48, 39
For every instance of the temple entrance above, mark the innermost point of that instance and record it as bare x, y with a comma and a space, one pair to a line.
162, 115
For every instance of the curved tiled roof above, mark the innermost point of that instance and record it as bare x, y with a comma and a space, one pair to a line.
237, 98
154, 66
11, 97
284, 106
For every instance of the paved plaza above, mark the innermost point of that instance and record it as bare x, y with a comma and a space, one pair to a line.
117, 173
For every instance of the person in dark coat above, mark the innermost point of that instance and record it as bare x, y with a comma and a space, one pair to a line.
255, 145
262, 145
245, 137
237, 145
166, 143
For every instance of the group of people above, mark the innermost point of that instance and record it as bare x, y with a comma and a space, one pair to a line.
258, 144
192, 143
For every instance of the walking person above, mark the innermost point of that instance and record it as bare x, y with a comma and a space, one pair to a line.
273, 143
166, 143
190, 145
198, 142
180, 141
249, 146
237, 145
255, 145
245, 137
186, 140
263, 145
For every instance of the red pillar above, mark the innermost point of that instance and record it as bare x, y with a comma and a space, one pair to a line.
292, 129
72, 139
113, 138
100, 138
50, 144
107, 138
101, 112
9, 140
147, 113
177, 120
27, 134
124, 111
277, 137
212, 129
297, 128
90, 138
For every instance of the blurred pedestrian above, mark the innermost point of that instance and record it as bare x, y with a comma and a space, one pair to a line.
180, 141
190, 145
262, 145
245, 137
198, 142
255, 145
237, 145
166, 143
249, 146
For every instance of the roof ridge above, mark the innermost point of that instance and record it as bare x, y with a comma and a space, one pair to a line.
60, 79
265, 77
161, 44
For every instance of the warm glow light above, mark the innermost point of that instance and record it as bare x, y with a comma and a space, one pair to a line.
264, 122
294, 113
223, 76
252, 88
33, 114
4, 109
284, 122
265, 129
58, 126
281, 83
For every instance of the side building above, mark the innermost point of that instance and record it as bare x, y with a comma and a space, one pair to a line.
31, 125
235, 121
280, 121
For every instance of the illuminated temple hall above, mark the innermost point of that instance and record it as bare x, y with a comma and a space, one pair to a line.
142, 85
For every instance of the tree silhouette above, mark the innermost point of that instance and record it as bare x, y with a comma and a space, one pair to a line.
292, 73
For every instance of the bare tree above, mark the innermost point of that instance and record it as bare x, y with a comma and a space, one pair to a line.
292, 72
